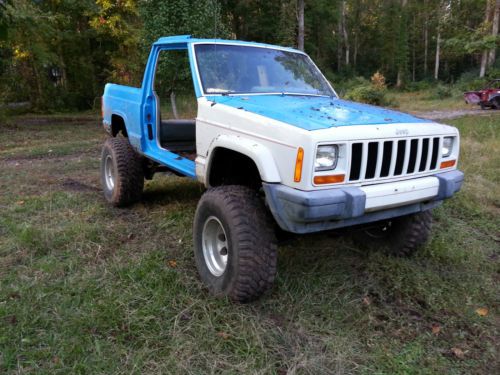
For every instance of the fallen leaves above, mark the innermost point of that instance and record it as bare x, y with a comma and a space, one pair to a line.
482, 311
436, 328
457, 352
223, 335
172, 263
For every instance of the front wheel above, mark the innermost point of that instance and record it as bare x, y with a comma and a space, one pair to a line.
234, 243
402, 236
496, 103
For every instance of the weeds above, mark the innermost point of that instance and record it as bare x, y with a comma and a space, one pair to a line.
86, 288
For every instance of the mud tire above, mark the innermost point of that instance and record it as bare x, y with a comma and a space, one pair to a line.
251, 243
400, 237
127, 169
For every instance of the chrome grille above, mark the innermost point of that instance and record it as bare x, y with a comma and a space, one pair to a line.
372, 160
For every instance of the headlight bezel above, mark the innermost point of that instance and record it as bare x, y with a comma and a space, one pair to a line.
322, 153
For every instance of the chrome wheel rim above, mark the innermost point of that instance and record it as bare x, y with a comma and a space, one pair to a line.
215, 246
109, 172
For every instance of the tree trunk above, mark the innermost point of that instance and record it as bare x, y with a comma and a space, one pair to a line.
339, 47
484, 57
426, 46
355, 57
438, 55
345, 35
300, 36
402, 67
494, 32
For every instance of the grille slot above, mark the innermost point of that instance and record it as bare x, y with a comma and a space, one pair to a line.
400, 158
371, 163
386, 159
397, 157
435, 150
357, 150
425, 152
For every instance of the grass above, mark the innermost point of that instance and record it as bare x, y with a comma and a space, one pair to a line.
86, 288
427, 100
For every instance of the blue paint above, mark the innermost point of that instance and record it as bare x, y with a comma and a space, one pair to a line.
187, 39
315, 113
137, 106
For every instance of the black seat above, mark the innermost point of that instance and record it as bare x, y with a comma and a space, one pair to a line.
178, 135
177, 130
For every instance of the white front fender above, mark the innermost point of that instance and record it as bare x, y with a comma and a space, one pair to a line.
260, 155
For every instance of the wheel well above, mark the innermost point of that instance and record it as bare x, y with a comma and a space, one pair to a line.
229, 167
118, 125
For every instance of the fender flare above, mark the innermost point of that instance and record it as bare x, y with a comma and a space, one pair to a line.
257, 152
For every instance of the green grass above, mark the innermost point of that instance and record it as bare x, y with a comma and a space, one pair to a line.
86, 288
426, 100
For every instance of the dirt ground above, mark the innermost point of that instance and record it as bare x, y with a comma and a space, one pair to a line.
452, 114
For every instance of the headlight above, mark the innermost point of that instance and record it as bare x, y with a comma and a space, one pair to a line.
447, 147
326, 158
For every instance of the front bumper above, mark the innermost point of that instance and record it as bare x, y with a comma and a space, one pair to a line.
312, 211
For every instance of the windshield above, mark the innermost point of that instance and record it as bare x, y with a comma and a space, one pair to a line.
233, 69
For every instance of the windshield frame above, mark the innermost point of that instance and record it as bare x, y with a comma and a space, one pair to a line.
256, 45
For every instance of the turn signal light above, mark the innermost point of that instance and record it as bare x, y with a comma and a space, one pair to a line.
332, 179
447, 164
298, 165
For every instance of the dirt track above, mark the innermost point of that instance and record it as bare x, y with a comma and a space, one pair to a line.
451, 114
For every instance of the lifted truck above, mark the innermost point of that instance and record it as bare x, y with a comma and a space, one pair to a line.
275, 146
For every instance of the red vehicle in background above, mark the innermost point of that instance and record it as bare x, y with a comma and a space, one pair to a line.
488, 97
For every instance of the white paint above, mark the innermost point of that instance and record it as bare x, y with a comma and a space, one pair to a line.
394, 194
277, 143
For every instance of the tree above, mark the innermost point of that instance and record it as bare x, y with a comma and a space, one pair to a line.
494, 32
484, 57
119, 26
300, 17
200, 18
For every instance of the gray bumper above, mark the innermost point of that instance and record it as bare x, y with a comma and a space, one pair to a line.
312, 211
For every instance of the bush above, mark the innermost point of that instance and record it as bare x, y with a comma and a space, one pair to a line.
368, 94
343, 86
470, 81
441, 92
378, 80
419, 86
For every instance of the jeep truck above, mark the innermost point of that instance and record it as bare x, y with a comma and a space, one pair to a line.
277, 150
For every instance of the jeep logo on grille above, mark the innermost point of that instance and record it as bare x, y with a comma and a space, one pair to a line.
402, 132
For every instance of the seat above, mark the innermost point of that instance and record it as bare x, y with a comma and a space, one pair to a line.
178, 135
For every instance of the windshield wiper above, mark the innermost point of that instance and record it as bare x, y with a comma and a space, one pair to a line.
304, 94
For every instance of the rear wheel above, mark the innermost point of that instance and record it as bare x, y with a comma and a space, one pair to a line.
234, 243
122, 175
401, 236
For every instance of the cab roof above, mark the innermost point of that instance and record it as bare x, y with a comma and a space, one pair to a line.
188, 39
